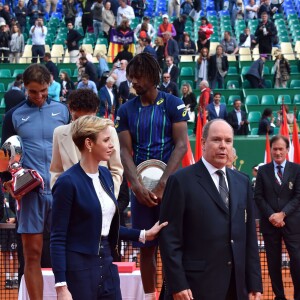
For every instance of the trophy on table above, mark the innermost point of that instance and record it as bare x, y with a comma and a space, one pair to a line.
22, 180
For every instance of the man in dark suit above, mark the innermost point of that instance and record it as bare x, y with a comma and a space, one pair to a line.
238, 119
217, 110
277, 195
171, 48
172, 69
108, 99
51, 66
124, 92
14, 96
209, 248
168, 86
90, 69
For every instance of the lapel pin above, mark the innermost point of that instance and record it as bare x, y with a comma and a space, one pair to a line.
245, 216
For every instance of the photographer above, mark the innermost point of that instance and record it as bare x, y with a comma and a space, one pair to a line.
5, 38
35, 10
38, 34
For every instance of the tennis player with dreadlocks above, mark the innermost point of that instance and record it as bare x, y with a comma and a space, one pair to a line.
150, 126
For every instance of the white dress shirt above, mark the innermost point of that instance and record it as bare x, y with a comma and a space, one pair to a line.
38, 36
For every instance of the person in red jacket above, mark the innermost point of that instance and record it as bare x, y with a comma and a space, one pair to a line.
205, 31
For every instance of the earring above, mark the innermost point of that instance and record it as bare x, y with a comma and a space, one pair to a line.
90, 150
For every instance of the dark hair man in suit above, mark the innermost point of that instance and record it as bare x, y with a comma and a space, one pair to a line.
209, 248
277, 195
238, 119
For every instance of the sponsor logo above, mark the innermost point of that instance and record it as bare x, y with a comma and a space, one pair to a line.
25, 119
180, 106
160, 101
55, 114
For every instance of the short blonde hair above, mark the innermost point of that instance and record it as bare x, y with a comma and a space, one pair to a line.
88, 127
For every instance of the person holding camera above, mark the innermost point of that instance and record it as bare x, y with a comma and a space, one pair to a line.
38, 34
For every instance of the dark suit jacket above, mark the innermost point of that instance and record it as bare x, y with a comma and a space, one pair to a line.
212, 112
91, 70
124, 92
256, 69
173, 50
171, 88
212, 70
123, 55
204, 240
233, 121
53, 69
243, 38
174, 73
263, 126
105, 97
271, 197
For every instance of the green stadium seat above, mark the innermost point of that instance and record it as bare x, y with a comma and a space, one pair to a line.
254, 116
287, 99
17, 72
2, 87
254, 131
297, 99
266, 70
276, 130
267, 100
75, 74
68, 71
88, 40
5, 73
268, 83
245, 69
232, 84
231, 99
252, 100
232, 71
295, 83
186, 72
246, 84
102, 41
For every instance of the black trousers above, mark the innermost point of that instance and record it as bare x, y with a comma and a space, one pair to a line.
37, 51
5, 54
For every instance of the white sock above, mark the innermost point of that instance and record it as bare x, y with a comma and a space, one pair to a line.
150, 296
7, 276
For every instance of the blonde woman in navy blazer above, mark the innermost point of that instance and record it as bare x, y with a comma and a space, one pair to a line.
85, 219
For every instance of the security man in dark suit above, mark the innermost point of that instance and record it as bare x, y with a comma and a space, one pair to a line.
238, 119
209, 248
277, 195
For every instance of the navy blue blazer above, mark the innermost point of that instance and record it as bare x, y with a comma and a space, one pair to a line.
105, 97
76, 218
212, 112
204, 241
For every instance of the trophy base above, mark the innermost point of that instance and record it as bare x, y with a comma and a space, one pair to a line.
26, 183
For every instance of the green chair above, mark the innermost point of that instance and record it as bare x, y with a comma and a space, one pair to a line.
75, 73
254, 131
2, 87
232, 98
5, 73
17, 72
88, 40
60, 41
68, 71
266, 70
245, 69
232, 84
190, 82
102, 41
294, 69
287, 99
297, 99
246, 84
186, 72
295, 83
268, 84
254, 116
232, 71
267, 100
252, 100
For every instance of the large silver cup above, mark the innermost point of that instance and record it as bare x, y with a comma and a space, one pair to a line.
11, 156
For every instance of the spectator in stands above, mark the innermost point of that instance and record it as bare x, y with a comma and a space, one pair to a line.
238, 12
160, 51
89, 69
108, 20
256, 72
276, 6
150, 29
266, 123
165, 26
179, 25
19, 77
20, 13
148, 48
139, 47
171, 48
174, 8
120, 70
16, 44
54, 89
282, 70
96, 9
189, 99
229, 44
14, 96
123, 55
103, 68
51, 66
72, 42
265, 33
265, 7
217, 110
247, 40
125, 92
219, 4
51, 4
289, 117
5, 38
169, 86
6, 15
38, 34
205, 31
139, 7
87, 16
172, 69
201, 68
85, 83
186, 7
251, 11
69, 11
205, 96
218, 68
66, 86
35, 10
108, 99
124, 12
187, 46
238, 119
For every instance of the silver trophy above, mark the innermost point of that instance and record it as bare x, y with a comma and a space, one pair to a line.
11, 156
149, 172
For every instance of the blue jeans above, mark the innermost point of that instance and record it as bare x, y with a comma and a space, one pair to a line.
217, 79
97, 25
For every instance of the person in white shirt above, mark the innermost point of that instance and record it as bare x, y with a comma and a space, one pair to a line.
251, 10
124, 12
151, 31
38, 34
120, 71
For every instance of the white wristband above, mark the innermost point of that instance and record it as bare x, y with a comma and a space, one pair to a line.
58, 284
142, 237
